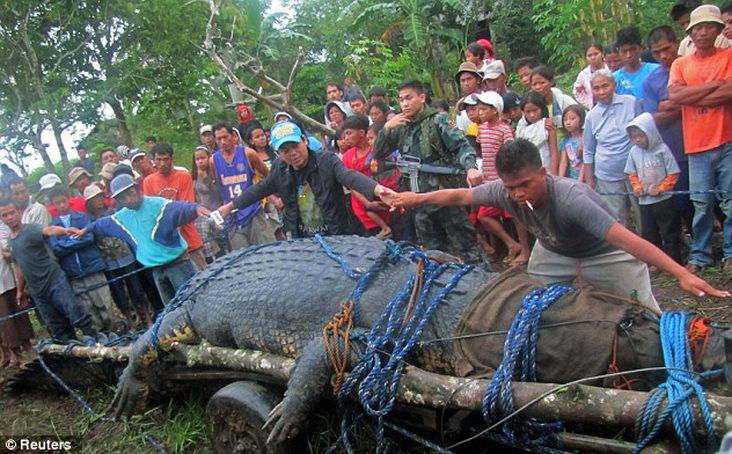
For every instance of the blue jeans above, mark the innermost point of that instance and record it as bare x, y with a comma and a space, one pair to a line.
60, 310
168, 278
710, 169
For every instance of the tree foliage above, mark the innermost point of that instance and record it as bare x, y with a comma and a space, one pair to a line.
132, 68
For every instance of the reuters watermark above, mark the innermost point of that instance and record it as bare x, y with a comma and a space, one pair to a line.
40, 443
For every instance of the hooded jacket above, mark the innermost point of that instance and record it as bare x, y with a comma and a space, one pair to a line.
651, 168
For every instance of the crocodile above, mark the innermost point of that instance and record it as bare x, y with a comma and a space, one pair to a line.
277, 298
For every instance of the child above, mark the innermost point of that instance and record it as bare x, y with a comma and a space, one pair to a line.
492, 134
612, 58
570, 161
582, 88
84, 266
511, 109
652, 171
388, 178
538, 128
470, 104
373, 215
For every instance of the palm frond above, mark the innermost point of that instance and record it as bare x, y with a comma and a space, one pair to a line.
380, 11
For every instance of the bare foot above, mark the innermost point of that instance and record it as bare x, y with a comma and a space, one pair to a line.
384, 233
521, 259
514, 251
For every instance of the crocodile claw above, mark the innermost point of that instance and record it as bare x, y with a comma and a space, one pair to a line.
130, 396
282, 423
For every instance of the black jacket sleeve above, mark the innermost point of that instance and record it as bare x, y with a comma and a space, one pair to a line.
264, 188
351, 178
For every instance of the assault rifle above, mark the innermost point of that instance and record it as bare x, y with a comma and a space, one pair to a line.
412, 166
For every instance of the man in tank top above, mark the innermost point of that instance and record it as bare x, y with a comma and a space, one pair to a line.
235, 167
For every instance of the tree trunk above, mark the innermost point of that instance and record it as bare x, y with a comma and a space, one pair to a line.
41, 148
65, 166
119, 114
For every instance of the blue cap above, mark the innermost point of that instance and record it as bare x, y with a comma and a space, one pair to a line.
121, 183
283, 132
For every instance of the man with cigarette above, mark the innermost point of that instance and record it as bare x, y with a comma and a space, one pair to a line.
578, 236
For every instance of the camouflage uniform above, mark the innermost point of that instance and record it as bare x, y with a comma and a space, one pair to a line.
430, 138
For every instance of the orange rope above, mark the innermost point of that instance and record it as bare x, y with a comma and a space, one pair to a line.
613, 368
698, 338
333, 332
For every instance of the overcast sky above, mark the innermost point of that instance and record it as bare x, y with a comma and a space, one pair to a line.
72, 136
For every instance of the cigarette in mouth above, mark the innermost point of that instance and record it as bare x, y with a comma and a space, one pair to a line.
528, 204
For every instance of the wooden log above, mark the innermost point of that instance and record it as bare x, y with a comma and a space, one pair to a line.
576, 403
97, 352
573, 404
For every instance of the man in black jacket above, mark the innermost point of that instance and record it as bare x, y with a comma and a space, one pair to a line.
310, 185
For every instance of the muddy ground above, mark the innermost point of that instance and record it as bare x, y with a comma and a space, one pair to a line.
180, 426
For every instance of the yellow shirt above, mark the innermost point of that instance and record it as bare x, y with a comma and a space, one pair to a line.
472, 130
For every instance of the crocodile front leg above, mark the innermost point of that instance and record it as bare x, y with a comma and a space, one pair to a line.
133, 388
310, 375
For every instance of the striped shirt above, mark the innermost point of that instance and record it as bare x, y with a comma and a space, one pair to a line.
491, 139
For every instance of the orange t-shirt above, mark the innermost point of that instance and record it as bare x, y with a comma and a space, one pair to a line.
705, 128
177, 185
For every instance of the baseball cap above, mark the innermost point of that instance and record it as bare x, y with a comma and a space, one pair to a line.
121, 183
48, 181
510, 100
76, 172
490, 98
91, 191
121, 168
278, 114
122, 151
494, 70
108, 170
467, 67
136, 153
204, 129
705, 13
283, 132
470, 101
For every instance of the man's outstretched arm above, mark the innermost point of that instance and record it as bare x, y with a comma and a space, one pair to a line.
450, 197
643, 250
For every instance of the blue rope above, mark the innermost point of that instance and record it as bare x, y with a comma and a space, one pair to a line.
677, 389
520, 346
336, 257
66, 387
702, 191
378, 382
16, 314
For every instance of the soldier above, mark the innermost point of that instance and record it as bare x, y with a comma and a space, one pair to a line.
421, 132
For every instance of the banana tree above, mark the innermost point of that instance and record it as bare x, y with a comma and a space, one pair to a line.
428, 29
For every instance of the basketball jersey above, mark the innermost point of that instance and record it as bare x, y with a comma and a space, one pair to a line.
233, 180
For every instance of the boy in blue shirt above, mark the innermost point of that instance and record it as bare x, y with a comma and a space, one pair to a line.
629, 79
150, 226
84, 266
653, 171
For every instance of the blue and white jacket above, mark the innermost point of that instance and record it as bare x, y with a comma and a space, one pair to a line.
151, 231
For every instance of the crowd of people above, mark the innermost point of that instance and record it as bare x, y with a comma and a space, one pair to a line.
577, 173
